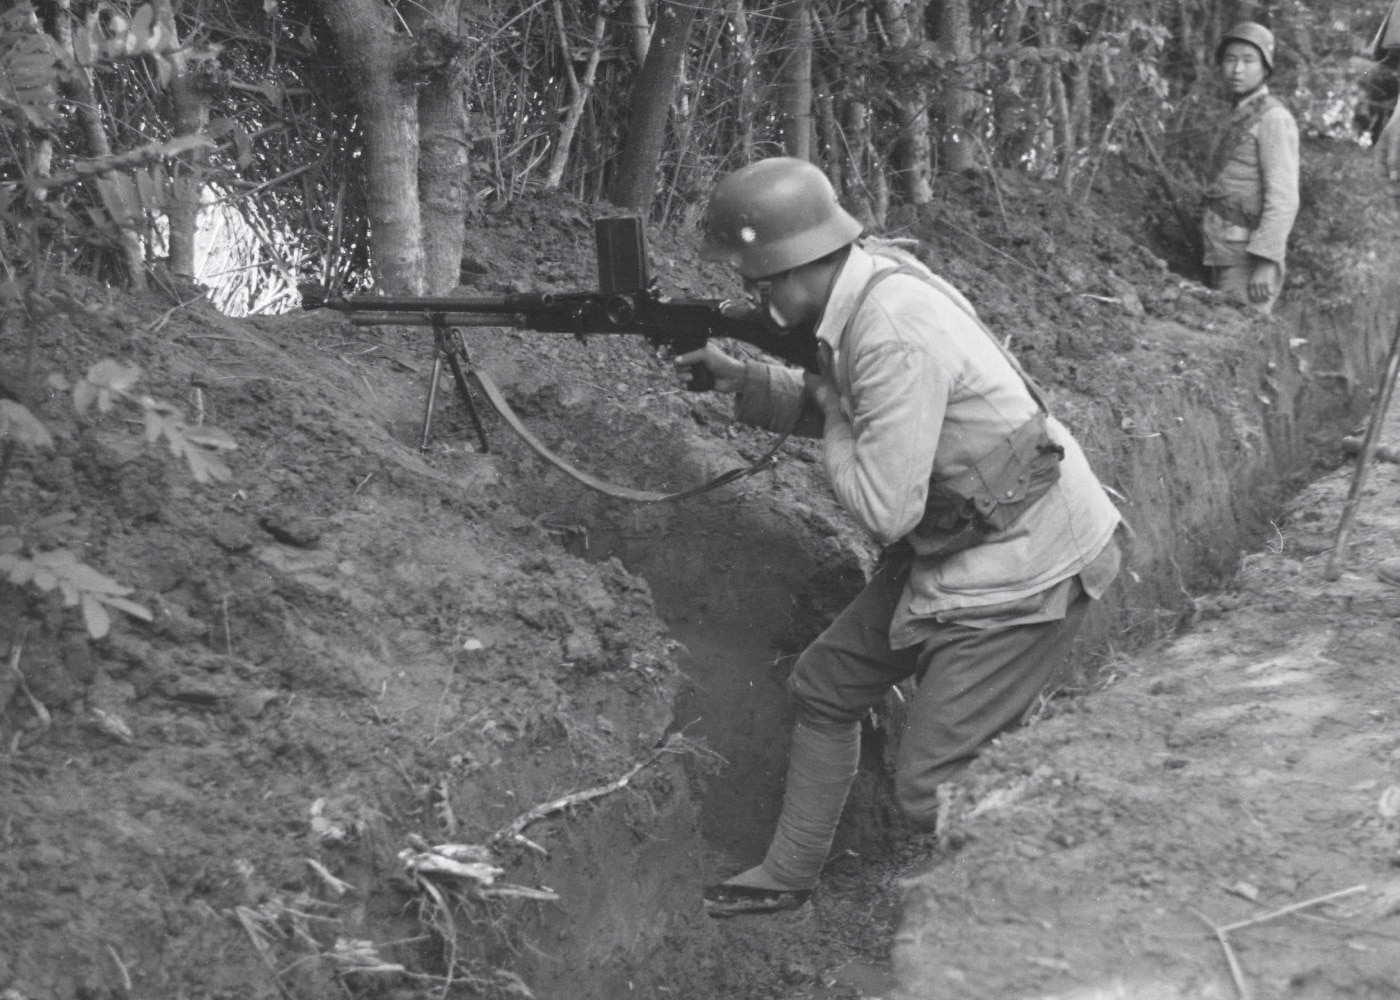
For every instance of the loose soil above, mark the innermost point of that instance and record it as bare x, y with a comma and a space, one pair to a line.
362, 649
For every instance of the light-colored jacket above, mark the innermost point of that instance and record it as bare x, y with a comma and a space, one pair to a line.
926, 392
1252, 200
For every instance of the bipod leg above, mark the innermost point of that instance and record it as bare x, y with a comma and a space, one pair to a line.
431, 404
454, 350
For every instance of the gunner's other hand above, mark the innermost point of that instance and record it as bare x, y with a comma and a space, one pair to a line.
728, 372
820, 390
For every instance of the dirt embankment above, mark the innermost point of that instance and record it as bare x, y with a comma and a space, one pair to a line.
360, 650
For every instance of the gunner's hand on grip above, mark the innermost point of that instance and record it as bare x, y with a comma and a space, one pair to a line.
709, 368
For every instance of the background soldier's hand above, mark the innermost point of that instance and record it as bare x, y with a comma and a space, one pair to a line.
728, 372
1264, 281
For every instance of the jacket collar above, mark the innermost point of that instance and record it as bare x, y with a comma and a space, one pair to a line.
855, 274
1258, 95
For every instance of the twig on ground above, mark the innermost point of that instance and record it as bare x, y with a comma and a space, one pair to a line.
338, 887
45, 720
1236, 973
121, 967
165, 316
1221, 932
1264, 918
1058, 286
252, 924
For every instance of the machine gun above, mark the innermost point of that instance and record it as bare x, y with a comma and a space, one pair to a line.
626, 302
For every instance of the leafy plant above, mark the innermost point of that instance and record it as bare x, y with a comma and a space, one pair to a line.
200, 445
41, 554
59, 569
42, 219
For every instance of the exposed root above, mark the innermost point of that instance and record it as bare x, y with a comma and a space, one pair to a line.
512, 832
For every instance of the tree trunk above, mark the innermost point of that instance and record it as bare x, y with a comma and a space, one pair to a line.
190, 116
641, 30
376, 58
442, 183
635, 184
443, 159
580, 89
828, 132
1013, 133
80, 90
913, 152
744, 84
957, 99
797, 79
1063, 155
863, 186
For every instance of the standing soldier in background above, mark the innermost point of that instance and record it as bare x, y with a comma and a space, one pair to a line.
1385, 50
1252, 194
997, 534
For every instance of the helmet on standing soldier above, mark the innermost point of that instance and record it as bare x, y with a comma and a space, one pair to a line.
1254, 34
774, 215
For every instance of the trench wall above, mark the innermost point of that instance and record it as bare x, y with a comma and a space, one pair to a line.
1203, 460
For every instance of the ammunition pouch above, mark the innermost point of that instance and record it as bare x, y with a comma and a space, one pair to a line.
962, 510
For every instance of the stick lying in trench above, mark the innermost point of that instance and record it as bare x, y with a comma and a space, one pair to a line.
1368, 445
1222, 931
515, 830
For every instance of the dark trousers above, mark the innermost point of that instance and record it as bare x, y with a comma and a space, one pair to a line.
972, 682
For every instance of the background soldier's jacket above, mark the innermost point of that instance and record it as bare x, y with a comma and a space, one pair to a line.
1252, 197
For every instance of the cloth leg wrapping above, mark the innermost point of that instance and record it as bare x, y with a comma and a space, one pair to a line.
822, 766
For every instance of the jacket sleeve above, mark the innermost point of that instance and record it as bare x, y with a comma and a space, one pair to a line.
880, 458
772, 397
1278, 168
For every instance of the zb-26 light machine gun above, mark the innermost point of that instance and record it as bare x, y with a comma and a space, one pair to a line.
626, 302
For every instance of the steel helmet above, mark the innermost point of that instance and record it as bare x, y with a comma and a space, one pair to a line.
774, 215
1253, 33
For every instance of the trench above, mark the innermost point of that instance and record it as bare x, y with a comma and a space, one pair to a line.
744, 583
742, 592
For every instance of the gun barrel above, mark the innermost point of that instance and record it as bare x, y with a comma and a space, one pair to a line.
500, 305
514, 320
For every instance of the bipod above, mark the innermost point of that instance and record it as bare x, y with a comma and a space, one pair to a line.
449, 347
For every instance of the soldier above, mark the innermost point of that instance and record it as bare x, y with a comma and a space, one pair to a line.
1386, 51
1252, 197
997, 534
